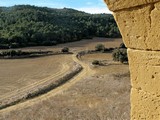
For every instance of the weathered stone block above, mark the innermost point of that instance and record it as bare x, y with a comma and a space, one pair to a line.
134, 25
153, 40
115, 5
145, 70
140, 26
144, 106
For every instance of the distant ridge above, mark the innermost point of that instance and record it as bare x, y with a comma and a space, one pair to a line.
26, 25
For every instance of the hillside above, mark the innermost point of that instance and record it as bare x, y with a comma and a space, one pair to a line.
26, 25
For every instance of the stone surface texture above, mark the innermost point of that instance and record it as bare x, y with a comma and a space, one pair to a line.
139, 24
115, 5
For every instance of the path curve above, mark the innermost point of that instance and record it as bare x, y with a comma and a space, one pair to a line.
85, 72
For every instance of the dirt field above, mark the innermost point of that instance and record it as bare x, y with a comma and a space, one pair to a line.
97, 93
110, 67
20, 73
81, 45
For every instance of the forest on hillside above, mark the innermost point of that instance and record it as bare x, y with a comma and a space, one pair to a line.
25, 25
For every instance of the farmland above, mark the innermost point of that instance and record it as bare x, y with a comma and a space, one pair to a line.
19, 73
96, 93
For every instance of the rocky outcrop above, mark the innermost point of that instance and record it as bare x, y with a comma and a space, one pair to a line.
138, 21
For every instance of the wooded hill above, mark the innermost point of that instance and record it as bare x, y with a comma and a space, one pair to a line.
25, 25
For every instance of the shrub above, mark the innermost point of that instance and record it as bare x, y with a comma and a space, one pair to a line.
49, 43
100, 47
108, 49
19, 52
22, 53
14, 45
96, 62
4, 46
122, 45
13, 53
5, 53
65, 49
120, 55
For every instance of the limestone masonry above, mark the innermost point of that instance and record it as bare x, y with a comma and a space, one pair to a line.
115, 5
139, 24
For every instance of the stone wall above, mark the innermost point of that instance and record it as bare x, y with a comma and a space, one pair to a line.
139, 24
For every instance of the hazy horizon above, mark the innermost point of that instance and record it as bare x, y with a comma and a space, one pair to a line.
88, 6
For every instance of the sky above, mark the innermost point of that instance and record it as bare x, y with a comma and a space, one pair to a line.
89, 6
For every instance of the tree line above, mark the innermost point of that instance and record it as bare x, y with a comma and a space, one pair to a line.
25, 25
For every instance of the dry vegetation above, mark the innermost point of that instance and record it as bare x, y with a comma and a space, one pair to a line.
97, 93
19, 73
80, 45
108, 67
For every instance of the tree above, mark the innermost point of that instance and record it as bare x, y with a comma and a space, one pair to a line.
120, 55
65, 49
122, 45
100, 47
96, 62
28, 25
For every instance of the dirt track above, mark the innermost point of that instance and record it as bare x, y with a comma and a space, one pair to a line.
97, 97
86, 70
90, 95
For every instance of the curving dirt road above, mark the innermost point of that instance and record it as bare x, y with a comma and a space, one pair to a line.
86, 71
